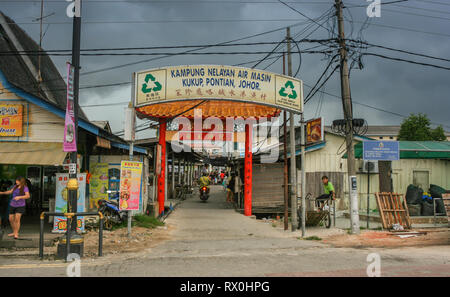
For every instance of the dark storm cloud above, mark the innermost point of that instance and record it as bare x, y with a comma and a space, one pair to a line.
393, 86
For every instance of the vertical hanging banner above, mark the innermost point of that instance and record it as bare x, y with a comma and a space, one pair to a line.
130, 185
61, 196
70, 142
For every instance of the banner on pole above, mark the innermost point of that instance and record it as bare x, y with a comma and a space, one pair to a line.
70, 142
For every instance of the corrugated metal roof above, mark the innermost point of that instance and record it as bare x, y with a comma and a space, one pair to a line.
211, 108
19, 75
32, 153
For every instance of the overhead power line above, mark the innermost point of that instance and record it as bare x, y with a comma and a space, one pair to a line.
372, 107
160, 54
163, 21
401, 28
171, 46
169, 1
196, 49
398, 50
404, 60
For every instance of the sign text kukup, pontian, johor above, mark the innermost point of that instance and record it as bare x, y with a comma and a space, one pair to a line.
218, 82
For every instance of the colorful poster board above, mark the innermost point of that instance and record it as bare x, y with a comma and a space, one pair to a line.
130, 184
11, 119
61, 196
98, 184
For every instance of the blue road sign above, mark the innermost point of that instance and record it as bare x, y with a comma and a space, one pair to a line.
381, 150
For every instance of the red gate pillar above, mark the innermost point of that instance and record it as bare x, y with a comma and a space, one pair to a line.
248, 170
162, 175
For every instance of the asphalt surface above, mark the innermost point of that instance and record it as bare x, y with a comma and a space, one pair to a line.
212, 239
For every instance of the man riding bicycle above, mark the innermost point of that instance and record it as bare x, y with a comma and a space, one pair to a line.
329, 192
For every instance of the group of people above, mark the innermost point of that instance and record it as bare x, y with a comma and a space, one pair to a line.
231, 182
13, 199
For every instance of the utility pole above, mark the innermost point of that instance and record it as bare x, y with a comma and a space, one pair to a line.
76, 87
303, 177
348, 116
286, 174
40, 40
292, 144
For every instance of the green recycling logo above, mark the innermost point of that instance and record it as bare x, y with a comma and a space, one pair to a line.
293, 94
146, 89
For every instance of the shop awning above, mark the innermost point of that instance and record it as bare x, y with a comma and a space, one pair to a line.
32, 153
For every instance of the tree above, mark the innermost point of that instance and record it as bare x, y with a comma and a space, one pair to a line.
438, 134
417, 128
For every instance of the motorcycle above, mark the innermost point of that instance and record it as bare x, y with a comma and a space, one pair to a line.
204, 193
112, 213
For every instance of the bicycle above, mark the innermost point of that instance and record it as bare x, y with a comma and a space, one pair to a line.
180, 192
322, 215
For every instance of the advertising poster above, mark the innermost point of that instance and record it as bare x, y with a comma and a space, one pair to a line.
70, 143
314, 130
61, 195
11, 119
130, 185
98, 184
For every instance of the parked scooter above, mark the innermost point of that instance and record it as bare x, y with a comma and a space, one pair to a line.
112, 213
204, 193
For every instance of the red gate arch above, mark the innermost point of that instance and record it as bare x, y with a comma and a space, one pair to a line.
220, 91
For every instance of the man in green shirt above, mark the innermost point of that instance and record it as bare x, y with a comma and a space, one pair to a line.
328, 188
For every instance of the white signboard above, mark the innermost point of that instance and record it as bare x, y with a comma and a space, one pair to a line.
220, 83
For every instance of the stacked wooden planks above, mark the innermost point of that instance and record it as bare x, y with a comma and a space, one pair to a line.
446, 199
393, 210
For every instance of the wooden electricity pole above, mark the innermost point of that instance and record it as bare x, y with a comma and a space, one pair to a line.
285, 171
348, 116
292, 144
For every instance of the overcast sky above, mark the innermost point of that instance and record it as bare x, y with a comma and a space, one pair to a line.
394, 86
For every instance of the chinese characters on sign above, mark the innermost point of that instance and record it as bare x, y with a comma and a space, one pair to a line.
218, 82
130, 185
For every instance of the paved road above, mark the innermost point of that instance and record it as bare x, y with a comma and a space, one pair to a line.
211, 239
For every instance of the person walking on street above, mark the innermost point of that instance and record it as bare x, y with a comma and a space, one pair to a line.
20, 193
